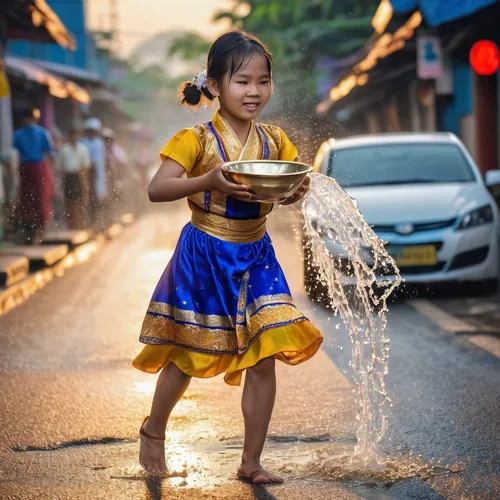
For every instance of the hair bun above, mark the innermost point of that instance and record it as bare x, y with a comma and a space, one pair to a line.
190, 95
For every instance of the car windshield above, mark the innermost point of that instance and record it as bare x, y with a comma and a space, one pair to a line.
410, 163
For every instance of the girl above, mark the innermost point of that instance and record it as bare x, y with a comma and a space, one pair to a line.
222, 305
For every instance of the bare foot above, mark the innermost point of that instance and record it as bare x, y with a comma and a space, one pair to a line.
152, 451
258, 475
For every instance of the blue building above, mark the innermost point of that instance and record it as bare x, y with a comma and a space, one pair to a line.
72, 15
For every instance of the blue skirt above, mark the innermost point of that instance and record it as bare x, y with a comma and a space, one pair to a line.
217, 299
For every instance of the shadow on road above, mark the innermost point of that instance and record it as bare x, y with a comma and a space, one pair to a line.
153, 485
260, 492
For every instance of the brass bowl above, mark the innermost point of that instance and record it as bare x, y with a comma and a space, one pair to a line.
270, 181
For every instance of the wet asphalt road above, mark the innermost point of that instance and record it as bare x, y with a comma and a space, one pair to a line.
445, 395
66, 381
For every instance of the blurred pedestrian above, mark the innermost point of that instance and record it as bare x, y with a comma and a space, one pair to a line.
73, 163
115, 172
98, 183
36, 176
9, 166
112, 167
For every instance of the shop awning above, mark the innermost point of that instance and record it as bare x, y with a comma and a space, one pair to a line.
72, 72
391, 53
35, 20
437, 12
57, 86
368, 66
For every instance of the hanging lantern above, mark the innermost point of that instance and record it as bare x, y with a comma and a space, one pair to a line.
485, 58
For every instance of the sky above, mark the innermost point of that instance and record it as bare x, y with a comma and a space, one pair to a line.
140, 19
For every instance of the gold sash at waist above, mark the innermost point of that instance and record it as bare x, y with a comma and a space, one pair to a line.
232, 230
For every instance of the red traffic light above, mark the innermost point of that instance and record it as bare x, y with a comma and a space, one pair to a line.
485, 57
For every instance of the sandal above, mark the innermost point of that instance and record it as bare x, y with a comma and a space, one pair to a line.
142, 432
259, 472
145, 435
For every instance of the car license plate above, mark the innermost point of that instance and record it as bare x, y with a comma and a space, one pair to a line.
409, 256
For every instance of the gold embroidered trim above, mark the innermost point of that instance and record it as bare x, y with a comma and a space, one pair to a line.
165, 330
269, 300
212, 320
162, 330
232, 230
272, 316
218, 203
274, 139
210, 156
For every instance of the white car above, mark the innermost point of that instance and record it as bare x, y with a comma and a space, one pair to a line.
425, 196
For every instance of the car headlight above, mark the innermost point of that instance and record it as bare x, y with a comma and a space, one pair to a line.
477, 217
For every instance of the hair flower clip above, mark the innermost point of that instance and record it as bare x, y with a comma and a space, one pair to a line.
200, 81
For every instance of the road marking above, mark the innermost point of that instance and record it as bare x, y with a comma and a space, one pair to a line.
452, 324
440, 317
486, 342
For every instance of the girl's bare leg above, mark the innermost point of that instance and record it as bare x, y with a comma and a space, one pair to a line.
170, 387
257, 404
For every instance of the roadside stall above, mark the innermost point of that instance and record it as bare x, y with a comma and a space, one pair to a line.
26, 20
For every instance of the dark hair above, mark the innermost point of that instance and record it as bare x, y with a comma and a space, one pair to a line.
27, 112
227, 55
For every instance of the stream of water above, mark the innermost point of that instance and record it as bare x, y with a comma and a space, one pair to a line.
348, 269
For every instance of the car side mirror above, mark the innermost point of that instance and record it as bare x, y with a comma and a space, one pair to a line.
492, 178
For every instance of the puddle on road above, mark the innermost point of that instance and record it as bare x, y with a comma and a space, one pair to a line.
342, 468
208, 467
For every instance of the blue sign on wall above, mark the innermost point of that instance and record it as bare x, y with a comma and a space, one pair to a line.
438, 12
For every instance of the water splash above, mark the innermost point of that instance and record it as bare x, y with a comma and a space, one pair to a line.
348, 269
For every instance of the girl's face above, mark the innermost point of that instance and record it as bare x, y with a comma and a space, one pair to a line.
245, 95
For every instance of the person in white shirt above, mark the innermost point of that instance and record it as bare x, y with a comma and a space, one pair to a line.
98, 181
73, 164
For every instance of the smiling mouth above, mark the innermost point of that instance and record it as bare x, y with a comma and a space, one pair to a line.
251, 105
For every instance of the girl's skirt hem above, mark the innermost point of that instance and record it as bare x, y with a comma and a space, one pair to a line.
292, 344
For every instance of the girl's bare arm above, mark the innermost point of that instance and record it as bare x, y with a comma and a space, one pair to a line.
168, 184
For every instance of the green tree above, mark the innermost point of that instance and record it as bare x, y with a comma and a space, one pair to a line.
189, 45
298, 33
303, 29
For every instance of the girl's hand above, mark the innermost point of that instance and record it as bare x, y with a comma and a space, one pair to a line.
300, 193
217, 181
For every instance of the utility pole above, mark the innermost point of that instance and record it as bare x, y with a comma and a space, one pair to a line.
114, 27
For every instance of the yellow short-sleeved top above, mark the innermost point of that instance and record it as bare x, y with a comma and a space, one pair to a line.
198, 152
184, 148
